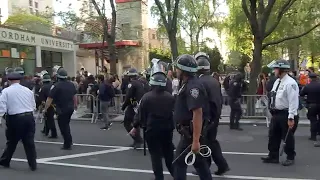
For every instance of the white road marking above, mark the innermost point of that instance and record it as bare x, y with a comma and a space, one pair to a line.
82, 155
104, 146
165, 172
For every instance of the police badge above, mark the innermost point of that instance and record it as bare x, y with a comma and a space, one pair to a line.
194, 92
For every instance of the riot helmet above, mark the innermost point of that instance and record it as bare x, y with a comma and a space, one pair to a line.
132, 72
62, 74
202, 61
55, 70
158, 73
19, 70
8, 70
46, 78
186, 63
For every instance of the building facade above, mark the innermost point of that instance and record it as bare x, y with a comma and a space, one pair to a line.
35, 52
9, 7
156, 41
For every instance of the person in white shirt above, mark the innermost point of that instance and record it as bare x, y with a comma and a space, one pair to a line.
175, 85
284, 103
18, 103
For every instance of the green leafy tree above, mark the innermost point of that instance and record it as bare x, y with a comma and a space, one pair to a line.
163, 55
168, 13
29, 22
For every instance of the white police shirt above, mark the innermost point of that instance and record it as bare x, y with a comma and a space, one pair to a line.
287, 96
16, 99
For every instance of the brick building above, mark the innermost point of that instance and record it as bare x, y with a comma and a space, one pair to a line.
132, 39
157, 41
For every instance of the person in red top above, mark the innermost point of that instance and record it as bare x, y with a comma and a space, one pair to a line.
261, 84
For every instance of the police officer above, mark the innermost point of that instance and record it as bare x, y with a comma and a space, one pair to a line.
49, 124
23, 82
134, 93
191, 113
213, 90
284, 109
5, 82
158, 123
312, 90
63, 93
234, 93
19, 103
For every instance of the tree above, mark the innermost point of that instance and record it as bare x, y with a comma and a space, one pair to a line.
215, 57
29, 22
70, 19
194, 16
168, 13
263, 24
109, 31
163, 55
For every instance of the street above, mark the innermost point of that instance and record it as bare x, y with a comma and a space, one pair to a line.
101, 155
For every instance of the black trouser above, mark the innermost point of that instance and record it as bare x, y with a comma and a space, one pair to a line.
64, 125
314, 115
180, 167
216, 151
127, 123
20, 127
277, 130
49, 123
236, 112
160, 145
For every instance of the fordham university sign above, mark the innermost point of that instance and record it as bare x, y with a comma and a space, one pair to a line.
20, 37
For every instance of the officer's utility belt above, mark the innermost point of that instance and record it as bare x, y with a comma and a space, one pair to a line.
277, 111
187, 130
22, 114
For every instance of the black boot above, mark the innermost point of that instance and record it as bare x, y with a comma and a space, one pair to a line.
270, 160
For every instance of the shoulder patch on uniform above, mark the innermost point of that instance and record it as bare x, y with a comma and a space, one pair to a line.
52, 87
129, 85
194, 92
294, 87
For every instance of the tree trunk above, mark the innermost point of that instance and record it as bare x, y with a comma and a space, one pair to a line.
293, 50
173, 45
113, 57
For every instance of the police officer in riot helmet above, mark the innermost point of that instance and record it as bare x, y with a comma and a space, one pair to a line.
284, 103
157, 123
134, 93
49, 124
191, 114
63, 94
23, 82
165, 67
5, 82
213, 90
235, 93
312, 90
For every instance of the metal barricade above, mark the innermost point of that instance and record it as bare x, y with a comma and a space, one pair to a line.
253, 107
87, 107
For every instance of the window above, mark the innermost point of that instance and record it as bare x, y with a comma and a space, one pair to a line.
31, 10
36, 5
153, 36
30, 3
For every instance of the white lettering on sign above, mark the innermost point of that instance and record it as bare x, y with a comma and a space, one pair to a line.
20, 37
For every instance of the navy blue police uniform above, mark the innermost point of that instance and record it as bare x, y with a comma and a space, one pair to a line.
134, 93
63, 92
235, 93
191, 96
158, 124
213, 89
312, 90
24, 82
20, 121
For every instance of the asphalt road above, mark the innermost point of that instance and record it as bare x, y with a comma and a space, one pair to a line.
102, 155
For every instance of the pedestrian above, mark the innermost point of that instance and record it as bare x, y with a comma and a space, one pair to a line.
157, 123
191, 113
106, 93
49, 124
235, 95
19, 103
312, 90
213, 89
284, 109
63, 94
134, 93
24, 82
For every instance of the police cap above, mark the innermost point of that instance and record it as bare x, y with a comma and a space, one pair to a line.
19, 70
132, 72
158, 79
14, 76
281, 64
186, 63
62, 73
313, 75
46, 78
